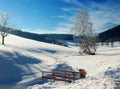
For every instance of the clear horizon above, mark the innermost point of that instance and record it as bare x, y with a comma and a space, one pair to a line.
56, 16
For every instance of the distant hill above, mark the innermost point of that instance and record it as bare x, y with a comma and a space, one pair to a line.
49, 38
111, 34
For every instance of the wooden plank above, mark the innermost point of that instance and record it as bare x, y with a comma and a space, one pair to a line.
66, 71
64, 80
60, 75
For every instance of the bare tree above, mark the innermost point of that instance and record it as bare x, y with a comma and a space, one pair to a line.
4, 22
83, 32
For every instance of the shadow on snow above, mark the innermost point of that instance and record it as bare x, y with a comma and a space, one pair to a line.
10, 72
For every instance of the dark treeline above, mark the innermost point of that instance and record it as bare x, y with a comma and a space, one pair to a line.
49, 38
110, 35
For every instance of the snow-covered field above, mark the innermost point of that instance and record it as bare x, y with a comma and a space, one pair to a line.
21, 61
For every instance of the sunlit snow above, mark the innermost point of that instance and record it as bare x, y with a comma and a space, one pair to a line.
22, 60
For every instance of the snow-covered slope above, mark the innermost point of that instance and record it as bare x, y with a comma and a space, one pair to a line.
103, 70
21, 61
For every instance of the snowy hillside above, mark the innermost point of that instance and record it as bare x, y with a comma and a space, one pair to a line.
21, 61
103, 71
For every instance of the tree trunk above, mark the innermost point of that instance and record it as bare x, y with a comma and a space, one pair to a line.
89, 51
3, 40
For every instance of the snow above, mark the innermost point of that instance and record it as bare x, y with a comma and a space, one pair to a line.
22, 60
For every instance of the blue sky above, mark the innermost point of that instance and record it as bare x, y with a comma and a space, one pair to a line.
56, 16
